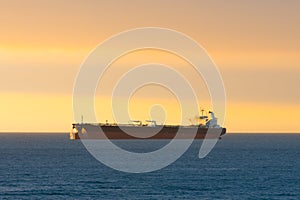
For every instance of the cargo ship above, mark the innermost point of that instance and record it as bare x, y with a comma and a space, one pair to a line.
136, 129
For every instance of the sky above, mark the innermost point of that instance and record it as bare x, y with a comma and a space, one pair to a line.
255, 45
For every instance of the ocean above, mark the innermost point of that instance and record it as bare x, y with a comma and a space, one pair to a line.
241, 166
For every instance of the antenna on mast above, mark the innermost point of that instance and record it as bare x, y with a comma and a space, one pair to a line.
202, 114
81, 119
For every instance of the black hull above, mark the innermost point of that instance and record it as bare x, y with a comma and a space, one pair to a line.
90, 131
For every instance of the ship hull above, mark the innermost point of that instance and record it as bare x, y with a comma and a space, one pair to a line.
90, 131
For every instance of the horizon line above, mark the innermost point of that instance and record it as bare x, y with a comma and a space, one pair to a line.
62, 132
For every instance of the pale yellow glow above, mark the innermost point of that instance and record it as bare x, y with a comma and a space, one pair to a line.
53, 113
262, 118
35, 113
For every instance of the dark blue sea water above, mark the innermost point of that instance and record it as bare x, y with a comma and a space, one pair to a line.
241, 166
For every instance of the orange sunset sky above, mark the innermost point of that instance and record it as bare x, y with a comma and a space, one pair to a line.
255, 44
